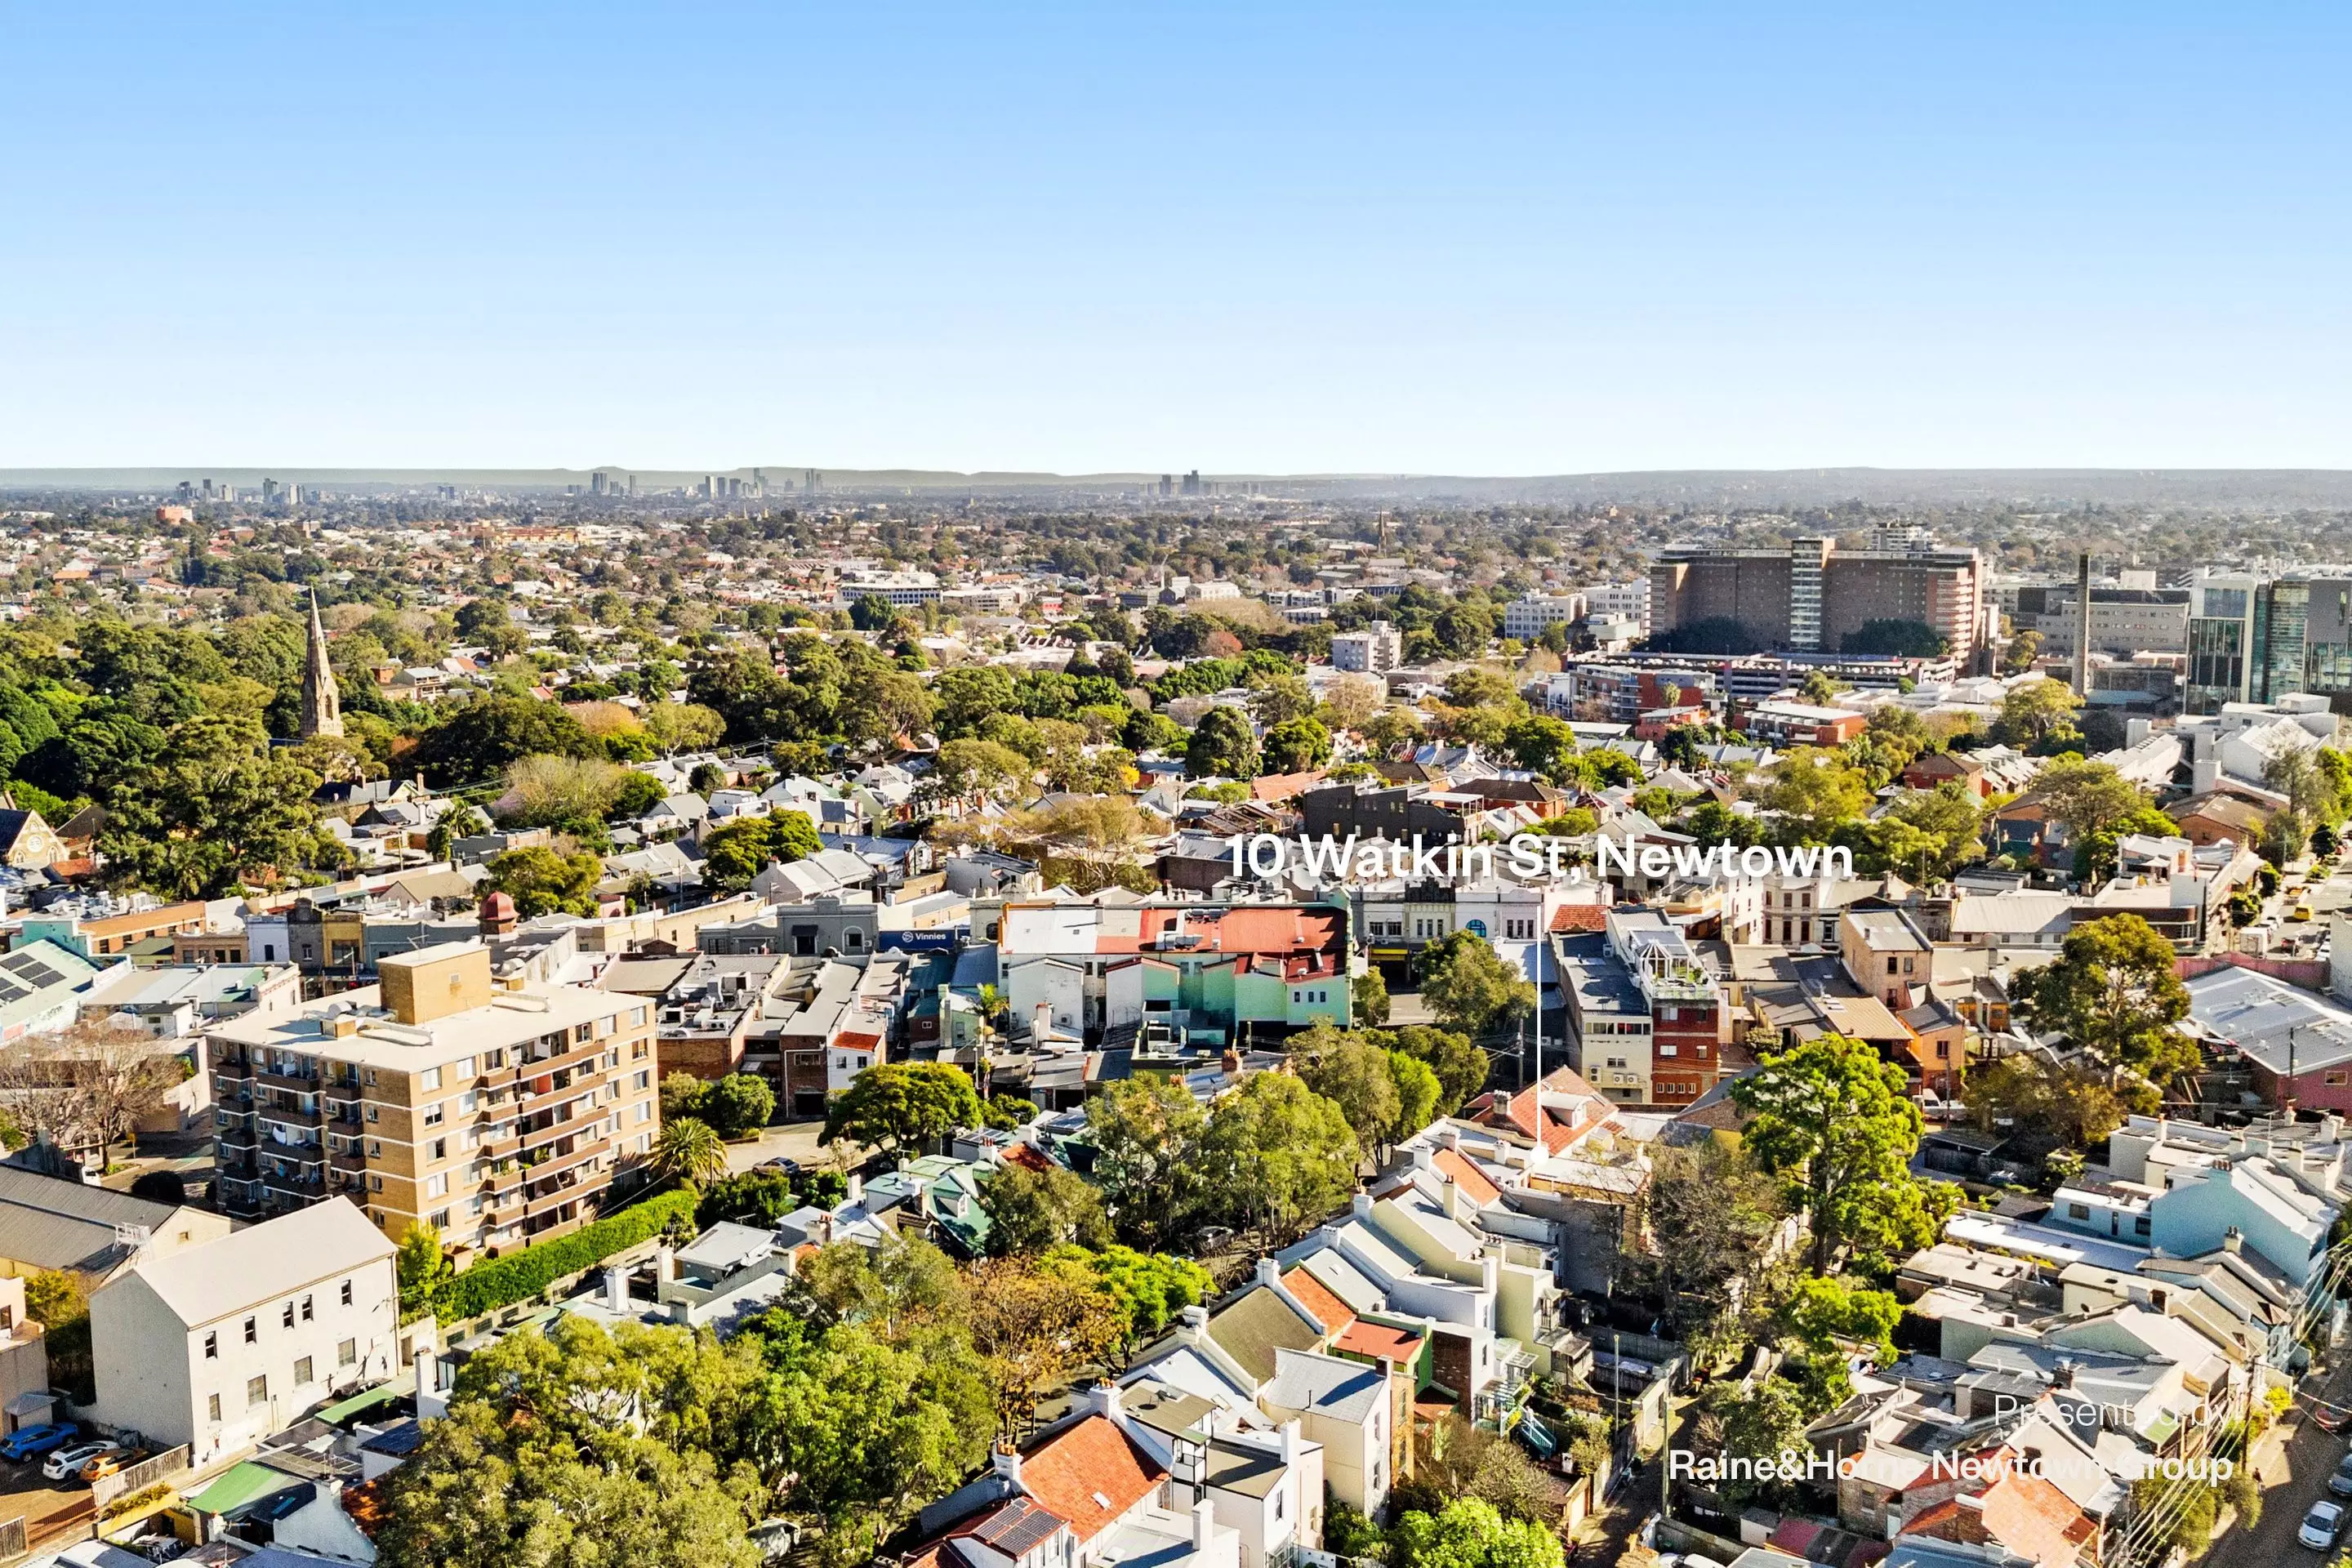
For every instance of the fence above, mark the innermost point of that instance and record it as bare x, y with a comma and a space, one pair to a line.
2311, 974
138, 1476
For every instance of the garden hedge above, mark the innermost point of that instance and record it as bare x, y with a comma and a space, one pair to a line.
518, 1276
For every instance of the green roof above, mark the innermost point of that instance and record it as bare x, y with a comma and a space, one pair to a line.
245, 1483
335, 1415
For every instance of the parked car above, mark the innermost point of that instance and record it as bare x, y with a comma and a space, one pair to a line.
2321, 1525
2340, 1483
783, 1164
66, 1461
108, 1464
32, 1442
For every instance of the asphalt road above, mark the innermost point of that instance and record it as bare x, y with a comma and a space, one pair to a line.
2293, 1481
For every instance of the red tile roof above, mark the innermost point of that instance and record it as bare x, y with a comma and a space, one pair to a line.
1377, 1341
1468, 1177
2025, 1513
1579, 917
1282, 786
1091, 1458
1329, 1310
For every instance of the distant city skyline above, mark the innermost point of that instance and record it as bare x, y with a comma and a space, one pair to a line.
1288, 240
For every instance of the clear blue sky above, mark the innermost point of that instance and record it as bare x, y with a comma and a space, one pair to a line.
1258, 238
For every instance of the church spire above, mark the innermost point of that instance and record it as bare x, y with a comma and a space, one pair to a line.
322, 704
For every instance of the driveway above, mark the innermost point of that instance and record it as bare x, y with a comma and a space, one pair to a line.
801, 1141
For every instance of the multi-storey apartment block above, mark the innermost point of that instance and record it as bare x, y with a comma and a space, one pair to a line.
499, 1111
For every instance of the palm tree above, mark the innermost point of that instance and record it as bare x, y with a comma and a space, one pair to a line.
688, 1151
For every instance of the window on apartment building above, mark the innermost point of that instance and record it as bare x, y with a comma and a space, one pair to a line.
429, 1079
643, 1081
637, 1051
463, 1070
257, 1391
211, 1345
433, 1115
440, 1148
645, 1110
302, 1372
1669, 1050
583, 1034
347, 1292
252, 1330
493, 1060
437, 1185
268, 953
347, 1352
1890, 963
212, 1409
638, 1018
286, 1319
305, 1308
371, 1113
375, 1183
376, 1149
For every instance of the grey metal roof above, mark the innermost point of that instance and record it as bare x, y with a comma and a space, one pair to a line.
54, 1224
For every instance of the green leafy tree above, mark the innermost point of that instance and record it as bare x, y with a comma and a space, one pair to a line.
214, 810
2044, 1109
2037, 715
967, 696
1761, 1423
479, 739
682, 1094
1542, 744
2113, 992
1033, 1210
688, 1150
541, 881
903, 1105
1896, 638
983, 768
1147, 1289
1822, 1312
864, 1428
1351, 1070
1699, 1241
1468, 1532
423, 1267
1418, 1092
1460, 1066
1812, 792
1931, 834
2019, 656
1297, 746
736, 851
1469, 987
1221, 746
738, 1104
1147, 1134
1464, 628
485, 1493
1369, 997
1835, 1121
1277, 1156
